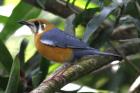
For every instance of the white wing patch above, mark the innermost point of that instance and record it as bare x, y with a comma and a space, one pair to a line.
47, 42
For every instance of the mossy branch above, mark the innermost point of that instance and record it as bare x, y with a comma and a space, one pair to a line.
83, 67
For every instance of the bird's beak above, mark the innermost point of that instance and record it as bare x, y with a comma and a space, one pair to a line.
25, 23
29, 24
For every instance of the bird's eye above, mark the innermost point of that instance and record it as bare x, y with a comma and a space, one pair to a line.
43, 26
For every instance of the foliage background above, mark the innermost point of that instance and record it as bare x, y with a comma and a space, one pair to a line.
97, 22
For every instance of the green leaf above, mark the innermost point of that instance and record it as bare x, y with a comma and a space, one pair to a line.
102, 38
20, 12
3, 81
3, 19
44, 67
137, 24
5, 57
69, 25
14, 77
41, 72
131, 9
102, 3
32, 63
96, 21
87, 4
85, 16
21, 53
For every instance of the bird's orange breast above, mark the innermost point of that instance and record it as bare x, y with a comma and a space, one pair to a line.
53, 53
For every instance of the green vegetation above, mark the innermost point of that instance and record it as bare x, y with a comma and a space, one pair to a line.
98, 23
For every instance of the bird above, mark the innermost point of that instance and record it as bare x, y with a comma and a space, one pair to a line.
57, 45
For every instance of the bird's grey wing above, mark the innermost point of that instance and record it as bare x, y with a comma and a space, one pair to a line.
56, 37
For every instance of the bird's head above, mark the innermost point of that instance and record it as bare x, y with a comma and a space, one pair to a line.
37, 25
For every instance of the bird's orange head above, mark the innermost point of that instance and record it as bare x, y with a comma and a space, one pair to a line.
38, 25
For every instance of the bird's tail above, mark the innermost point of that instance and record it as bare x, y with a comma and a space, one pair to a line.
105, 53
79, 53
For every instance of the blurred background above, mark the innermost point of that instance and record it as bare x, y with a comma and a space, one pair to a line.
96, 22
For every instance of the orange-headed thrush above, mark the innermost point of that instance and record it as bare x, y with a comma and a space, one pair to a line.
58, 45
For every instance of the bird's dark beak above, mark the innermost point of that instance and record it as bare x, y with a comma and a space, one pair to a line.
25, 23
29, 24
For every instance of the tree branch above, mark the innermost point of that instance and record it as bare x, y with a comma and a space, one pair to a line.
83, 67
57, 7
